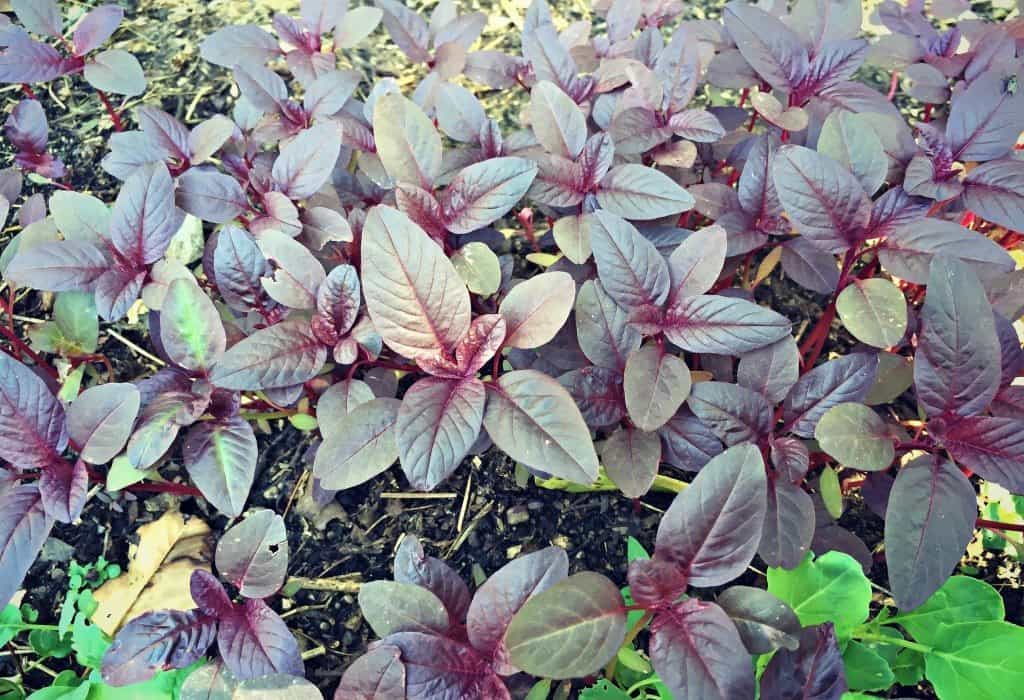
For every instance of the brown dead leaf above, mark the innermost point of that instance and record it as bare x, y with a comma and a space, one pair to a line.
159, 568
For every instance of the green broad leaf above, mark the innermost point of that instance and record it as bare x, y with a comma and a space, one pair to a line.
856, 436
895, 375
977, 660
831, 492
122, 474
831, 588
478, 267
908, 668
75, 315
635, 550
88, 642
303, 422
569, 630
9, 690
540, 690
572, 236
49, 643
80, 217
865, 669
874, 311
190, 327
46, 337
10, 624
961, 599
69, 389
633, 660
62, 692
603, 690
67, 611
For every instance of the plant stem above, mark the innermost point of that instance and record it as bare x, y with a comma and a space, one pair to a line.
111, 112
894, 641
996, 525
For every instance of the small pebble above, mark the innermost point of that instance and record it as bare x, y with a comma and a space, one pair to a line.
517, 515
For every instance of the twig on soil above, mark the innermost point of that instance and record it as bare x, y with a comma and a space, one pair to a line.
464, 535
135, 348
465, 505
398, 495
349, 583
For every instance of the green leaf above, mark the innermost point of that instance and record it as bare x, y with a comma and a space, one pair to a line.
635, 550
10, 690
856, 436
88, 642
75, 316
908, 668
874, 311
961, 599
303, 422
69, 390
478, 267
190, 327
832, 587
849, 139
49, 643
977, 660
122, 474
569, 630
540, 690
831, 493
865, 669
10, 624
603, 690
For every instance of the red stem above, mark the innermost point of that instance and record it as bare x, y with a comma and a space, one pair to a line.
996, 525
114, 116
894, 82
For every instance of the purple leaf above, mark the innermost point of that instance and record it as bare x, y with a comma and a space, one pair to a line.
957, 368
788, 525
24, 527
534, 420
556, 121
535, 310
65, 488
297, 274
412, 565
100, 420
909, 249
985, 119
26, 127
697, 653
32, 425
710, 323
362, 446
655, 385
241, 43
484, 192
629, 266
408, 30
895, 208
96, 27
338, 299
306, 163
993, 191
631, 457
210, 196
790, 458
814, 671
391, 607
993, 447
602, 327
770, 371
208, 594
438, 422
734, 413
695, 265
282, 355
712, 529
824, 201
191, 331
157, 641
408, 145
238, 265
637, 192
835, 62
929, 521
559, 181
30, 61
549, 58
160, 422
697, 125
763, 621
441, 668
769, 46
687, 443
253, 555
486, 334
220, 457
376, 675
417, 300
39, 16
264, 89
503, 594
329, 93
58, 266
572, 629
165, 130
144, 217
837, 381
678, 67
810, 266
254, 641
